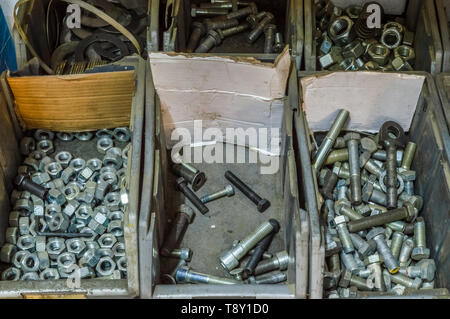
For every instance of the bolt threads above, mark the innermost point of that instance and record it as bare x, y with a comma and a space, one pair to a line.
206, 45
396, 244
221, 24
256, 257
394, 215
358, 242
419, 233
391, 177
192, 197
259, 29
270, 278
340, 155
349, 262
269, 41
194, 39
195, 12
208, 198
237, 29
242, 12
344, 236
262, 231
390, 261
185, 275
360, 283
402, 280
408, 155
350, 213
405, 252
266, 266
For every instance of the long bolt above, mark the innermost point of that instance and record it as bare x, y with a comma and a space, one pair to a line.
259, 29
251, 9
381, 156
183, 274
182, 220
197, 12
230, 259
344, 235
420, 250
405, 281
197, 179
269, 40
239, 3
261, 203
340, 155
228, 191
223, 5
408, 155
182, 187
273, 278
408, 212
265, 255
396, 244
280, 261
355, 172
24, 183
213, 38
256, 257
349, 262
391, 263
363, 247
235, 30
329, 140
253, 19
197, 32
405, 253
220, 24
391, 177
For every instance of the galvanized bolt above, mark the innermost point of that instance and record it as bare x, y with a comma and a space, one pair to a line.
373, 168
343, 207
182, 186
344, 235
280, 261
363, 247
355, 172
230, 259
235, 30
408, 155
374, 264
329, 140
213, 38
228, 191
348, 279
197, 32
182, 253
197, 179
396, 244
424, 269
405, 281
391, 263
278, 45
197, 12
370, 194
256, 257
220, 24
381, 156
251, 9
349, 262
184, 217
405, 253
420, 250
259, 29
272, 278
262, 203
184, 274
331, 245
24, 183
269, 33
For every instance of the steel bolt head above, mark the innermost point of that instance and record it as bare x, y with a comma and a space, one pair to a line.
230, 190
412, 212
217, 36
345, 279
263, 204
428, 269
352, 136
372, 259
341, 220
419, 253
375, 232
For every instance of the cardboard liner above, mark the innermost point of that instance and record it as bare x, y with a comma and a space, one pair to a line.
73, 103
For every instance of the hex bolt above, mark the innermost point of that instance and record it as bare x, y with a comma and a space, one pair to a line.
405, 281
253, 19
349, 262
424, 269
269, 37
235, 30
380, 155
261, 203
408, 212
256, 257
272, 278
344, 235
348, 279
392, 137
373, 168
405, 253
420, 250
265, 255
197, 32
224, 5
340, 155
368, 147
279, 44
331, 246
355, 172
363, 247
24, 183
279, 262
193, 198
370, 194
197, 179
230, 259
345, 209
251, 9
374, 265
390, 262
220, 24
184, 217
185, 275
182, 253
396, 244
408, 155
228, 191
197, 12
331, 180
213, 38
259, 29
334, 264
330, 138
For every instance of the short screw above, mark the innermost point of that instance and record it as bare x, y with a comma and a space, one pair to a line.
182, 187
197, 32
261, 203
396, 244
273, 278
259, 29
355, 172
196, 12
348, 279
405, 253
227, 191
391, 263
214, 38
405, 281
182, 253
279, 262
184, 274
340, 155
182, 220
420, 250
330, 138
230, 259
24, 183
269, 32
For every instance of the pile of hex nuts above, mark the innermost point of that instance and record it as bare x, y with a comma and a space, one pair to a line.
221, 20
375, 241
345, 41
67, 213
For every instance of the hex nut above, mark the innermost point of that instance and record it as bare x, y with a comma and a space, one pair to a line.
24, 225
102, 188
107, 241
89, 231
55, 247
122, 134
119, 249
26, 242
399, 64
92, 245
11, 235
89, 258
84, 136
104, 252
30, 276
30, 262
83, 213
94, 164
353, 11
40, 135
103, 133
391, 37
112, 160
11, 274
8, 252
38, 206
395, 25
353, 50
31, 162
75, 246
125, 153
51, 210
63, 158
54, 196
116, 215
49, 274
64, 136
85, 174
24, 205
68, 174
41, 242
45, 146
349, 64
59, 223
44, 261
77, 164
105, 266
341, 31
112, 201
379, 53
406, 53
97, 227
122, 265
40, 178
13, 219
71, 207
27, 145
54, 169
332, 57
115, 227
66, 260
104, 144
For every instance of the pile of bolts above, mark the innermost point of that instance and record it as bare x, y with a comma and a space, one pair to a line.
222, 23
346, 42
261, 267
67, 217
375, 240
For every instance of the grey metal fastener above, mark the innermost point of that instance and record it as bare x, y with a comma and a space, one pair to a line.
259, 29
228, 191
374, 264
405, 281
349, 262
272, 278
391, 263
362, 246
184, 274
235, 30
280, 261
344, 235
184, 217
196, 178
348, 279
213, 38
279, 44
424, 269
352, 140
405, 252
408, 155
396, 244
193, 198
269, 39
420, 250
196, 12
182, 253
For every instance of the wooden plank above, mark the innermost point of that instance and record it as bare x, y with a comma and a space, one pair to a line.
71, 103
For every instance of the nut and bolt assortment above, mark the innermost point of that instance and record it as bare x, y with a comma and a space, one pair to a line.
259, 268
372, 224
224, 19
68, 211
345, 41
